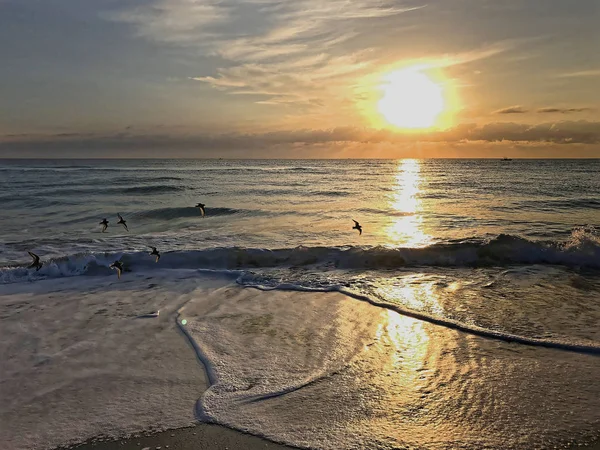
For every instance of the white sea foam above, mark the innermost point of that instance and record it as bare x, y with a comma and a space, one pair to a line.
81, 359
581, 250
84, 357
322, 370
311, 337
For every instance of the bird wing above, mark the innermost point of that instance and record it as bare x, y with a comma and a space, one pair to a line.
119, 216
355, 222
35, 257
153, 249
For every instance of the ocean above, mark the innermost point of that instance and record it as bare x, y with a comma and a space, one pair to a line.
466, 314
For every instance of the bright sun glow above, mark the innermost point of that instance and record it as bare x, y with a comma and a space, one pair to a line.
411, 99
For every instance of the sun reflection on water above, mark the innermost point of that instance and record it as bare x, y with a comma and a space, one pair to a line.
407, 227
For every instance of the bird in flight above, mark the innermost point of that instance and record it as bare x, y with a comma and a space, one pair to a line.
122, 222
201, 206
118, 266
357, 227
155, 252
104, 224
36, 262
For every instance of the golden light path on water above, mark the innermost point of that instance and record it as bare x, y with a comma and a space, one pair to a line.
407, 226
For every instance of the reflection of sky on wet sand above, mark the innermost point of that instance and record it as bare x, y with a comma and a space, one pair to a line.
406, 227
416, 292
409, 340
434, 387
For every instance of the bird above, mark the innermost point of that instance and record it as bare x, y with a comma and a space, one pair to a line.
357, 227
104, 224
201, 206
155, 253
36, 262
118, 266
122, 222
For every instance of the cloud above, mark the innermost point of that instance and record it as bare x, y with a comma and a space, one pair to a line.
175, 21
512, 110
309, 62
563, 110
286, 53
581, 73
279, 142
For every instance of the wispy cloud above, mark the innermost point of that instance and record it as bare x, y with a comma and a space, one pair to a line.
512, 110
289, 54
581, 73
176, 21
312, 59
563, 110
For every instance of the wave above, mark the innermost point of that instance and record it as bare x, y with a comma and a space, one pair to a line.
553, 204
92, 189
582, 250
387, 213
184, 212
577, 347
97, 265
153, 189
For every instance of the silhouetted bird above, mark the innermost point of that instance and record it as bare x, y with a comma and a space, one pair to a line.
104, 224
357, 227
122, 222
118, 266
201, 206
155, 253
36, 262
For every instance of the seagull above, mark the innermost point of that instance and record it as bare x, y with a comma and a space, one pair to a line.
155, 253
201, 206
122, 222
104, 224
118, 266
357, 227
36, 262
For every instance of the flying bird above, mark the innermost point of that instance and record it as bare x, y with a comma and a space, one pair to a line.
201, 206
155, 252
122, 222
36, 262
118, 266
104, 224
357, 227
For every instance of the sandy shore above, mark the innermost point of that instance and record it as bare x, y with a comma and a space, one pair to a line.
203, 436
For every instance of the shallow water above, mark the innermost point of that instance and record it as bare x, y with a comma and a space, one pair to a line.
475, 284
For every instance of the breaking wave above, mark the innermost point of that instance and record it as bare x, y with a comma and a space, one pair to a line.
581, 250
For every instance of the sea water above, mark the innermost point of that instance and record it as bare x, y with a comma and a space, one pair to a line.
465, 315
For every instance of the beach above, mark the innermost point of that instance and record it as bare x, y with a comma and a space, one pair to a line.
200, 437
311, 369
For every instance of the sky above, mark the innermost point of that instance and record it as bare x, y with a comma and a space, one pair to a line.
296, 78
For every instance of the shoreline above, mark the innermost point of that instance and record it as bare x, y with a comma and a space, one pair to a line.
199, 437
206, 436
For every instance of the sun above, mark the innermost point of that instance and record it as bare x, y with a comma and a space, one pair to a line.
411, 99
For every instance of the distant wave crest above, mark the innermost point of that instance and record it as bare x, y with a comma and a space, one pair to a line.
184, 212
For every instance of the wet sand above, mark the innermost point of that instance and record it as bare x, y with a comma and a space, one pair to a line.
203, 436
